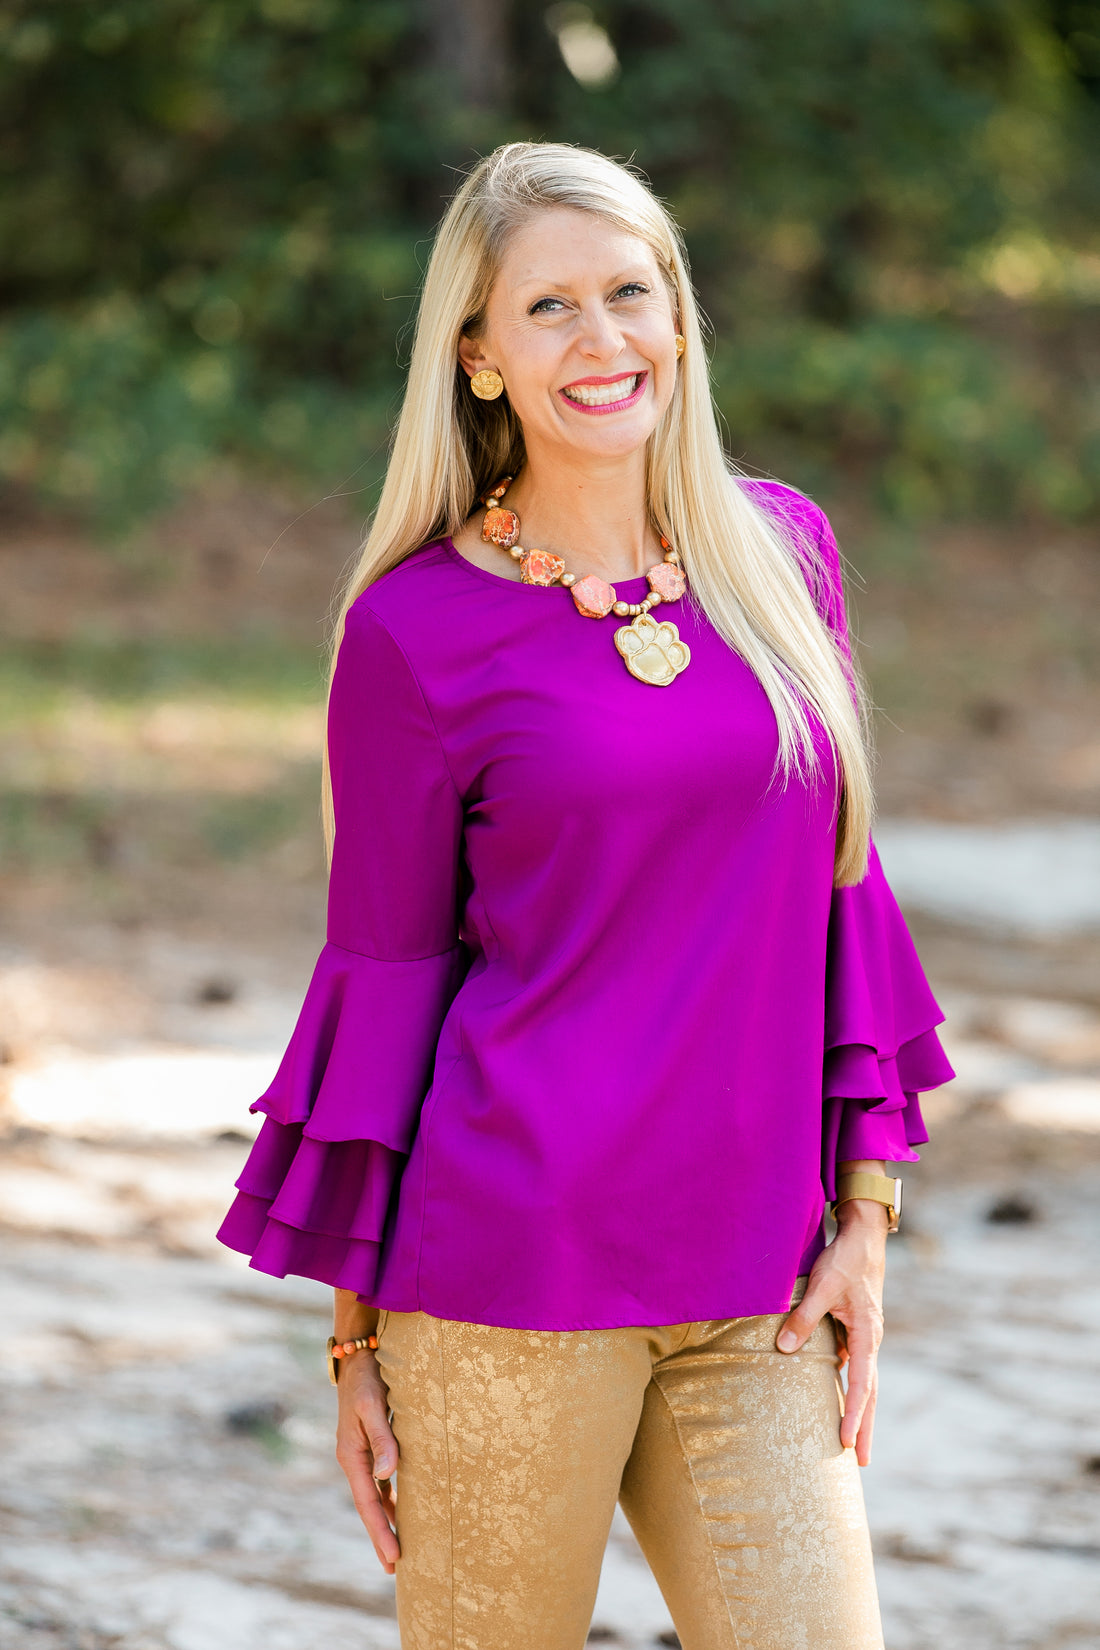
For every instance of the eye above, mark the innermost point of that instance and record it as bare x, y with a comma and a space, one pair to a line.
631, 288
539, 308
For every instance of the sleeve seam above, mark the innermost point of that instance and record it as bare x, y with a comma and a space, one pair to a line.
382, 625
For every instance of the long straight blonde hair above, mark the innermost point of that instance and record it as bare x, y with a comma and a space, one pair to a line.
743, 565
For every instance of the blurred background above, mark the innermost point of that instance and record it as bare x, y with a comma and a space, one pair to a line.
214, 220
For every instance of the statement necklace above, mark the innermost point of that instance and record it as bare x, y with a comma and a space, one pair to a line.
652, 651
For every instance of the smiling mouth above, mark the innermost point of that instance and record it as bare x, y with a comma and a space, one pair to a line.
604, 395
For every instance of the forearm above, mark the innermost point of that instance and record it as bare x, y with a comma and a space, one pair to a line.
863, 1165
351, 1319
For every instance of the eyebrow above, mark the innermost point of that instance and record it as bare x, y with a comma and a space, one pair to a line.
544, 283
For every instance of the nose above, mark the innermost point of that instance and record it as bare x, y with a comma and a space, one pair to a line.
599, 335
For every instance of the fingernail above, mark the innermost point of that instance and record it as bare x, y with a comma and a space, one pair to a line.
788, 1341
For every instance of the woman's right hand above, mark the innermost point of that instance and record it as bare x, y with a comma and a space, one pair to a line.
367, 1451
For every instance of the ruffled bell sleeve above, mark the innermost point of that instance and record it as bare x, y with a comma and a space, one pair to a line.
342, 1111
881, 1047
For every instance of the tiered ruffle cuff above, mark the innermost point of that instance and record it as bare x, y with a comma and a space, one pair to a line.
881, 1048
341, 1114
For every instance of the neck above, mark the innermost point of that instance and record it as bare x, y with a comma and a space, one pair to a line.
594, 514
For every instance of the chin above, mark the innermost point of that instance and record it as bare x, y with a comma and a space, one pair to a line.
613, 438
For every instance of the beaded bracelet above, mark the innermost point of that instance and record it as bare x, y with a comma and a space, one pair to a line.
344, 1349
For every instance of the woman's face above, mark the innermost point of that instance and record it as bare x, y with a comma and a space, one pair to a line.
580, 327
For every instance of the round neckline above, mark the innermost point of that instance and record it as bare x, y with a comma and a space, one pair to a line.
451, 548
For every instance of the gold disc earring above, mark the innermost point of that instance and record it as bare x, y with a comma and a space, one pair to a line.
487, 384
681, 345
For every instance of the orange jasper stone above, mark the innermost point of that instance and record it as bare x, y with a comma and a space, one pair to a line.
594, 597
500, 527
668, 581
540, 567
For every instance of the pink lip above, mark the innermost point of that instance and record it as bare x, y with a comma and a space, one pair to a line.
611, 406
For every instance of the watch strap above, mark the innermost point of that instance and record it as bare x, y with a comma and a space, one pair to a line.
878, 1188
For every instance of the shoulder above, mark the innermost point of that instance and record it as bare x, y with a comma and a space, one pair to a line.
794, 509
380, 619
420, 625
811, 540
406, 602
422, 577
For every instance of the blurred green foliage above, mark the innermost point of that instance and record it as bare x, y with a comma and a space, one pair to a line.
215, 214
38, 676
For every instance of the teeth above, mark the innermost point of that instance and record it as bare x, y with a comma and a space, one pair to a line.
601, 395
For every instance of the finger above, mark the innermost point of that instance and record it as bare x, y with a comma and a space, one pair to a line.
370, 1505
802, 1322
861, 1383
376, 1521
369, 1458
866, 1428
383, 1444
387, 1495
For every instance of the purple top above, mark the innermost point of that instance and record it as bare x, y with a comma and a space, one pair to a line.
593, 1026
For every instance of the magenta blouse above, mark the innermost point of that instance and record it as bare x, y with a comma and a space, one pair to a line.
592, 1026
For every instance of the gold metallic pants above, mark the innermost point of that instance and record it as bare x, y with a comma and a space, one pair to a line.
515, 1445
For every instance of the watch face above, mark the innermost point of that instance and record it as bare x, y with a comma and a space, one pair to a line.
895, 1207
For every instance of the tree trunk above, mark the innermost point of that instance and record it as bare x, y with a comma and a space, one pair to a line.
468, 42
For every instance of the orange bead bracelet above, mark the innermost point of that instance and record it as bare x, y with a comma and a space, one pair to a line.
344, 1349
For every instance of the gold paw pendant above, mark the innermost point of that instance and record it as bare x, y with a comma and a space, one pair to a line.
653, 652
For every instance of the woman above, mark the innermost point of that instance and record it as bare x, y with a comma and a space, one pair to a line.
614, 988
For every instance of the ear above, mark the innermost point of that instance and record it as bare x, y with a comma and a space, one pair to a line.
470, 355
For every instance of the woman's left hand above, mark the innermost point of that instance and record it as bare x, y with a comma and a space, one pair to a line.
846, 1280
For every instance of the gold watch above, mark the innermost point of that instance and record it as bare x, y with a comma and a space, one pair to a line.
879, 1188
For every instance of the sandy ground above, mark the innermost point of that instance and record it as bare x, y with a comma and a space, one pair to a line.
166, 1425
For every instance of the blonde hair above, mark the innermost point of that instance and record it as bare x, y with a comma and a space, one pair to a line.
742, 564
